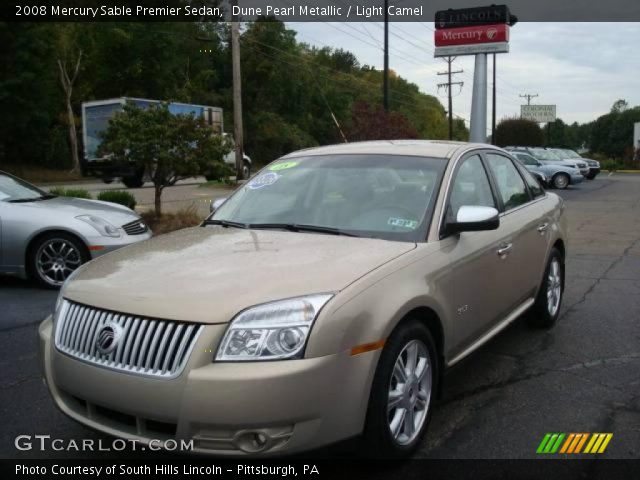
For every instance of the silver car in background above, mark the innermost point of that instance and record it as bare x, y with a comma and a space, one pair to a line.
557, 176
46, 237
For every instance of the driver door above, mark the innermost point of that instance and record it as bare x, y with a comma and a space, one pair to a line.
477, 272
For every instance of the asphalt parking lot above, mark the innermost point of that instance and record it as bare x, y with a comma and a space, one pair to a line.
582, 376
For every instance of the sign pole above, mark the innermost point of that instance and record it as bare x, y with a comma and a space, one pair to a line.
478, 128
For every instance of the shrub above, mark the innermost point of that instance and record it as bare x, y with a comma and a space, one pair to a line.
610, 165
169, 222
71, 192
118, 196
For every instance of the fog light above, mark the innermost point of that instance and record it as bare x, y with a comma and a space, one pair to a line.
252, 441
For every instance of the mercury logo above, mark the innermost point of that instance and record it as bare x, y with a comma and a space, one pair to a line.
491, 33
108, 337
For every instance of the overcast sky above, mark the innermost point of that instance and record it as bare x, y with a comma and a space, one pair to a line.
581, 67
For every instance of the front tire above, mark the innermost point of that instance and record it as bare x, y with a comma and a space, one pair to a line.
55, 256
546, 310
402, 392
561, 181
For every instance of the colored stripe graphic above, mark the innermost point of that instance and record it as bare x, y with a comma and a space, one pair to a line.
573, 443
550, 443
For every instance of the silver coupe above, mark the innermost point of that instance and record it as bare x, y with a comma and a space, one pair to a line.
47, 237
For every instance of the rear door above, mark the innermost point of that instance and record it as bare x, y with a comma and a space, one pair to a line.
524, 244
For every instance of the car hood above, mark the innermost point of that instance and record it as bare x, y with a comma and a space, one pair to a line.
112, 212
550, 169
209, 274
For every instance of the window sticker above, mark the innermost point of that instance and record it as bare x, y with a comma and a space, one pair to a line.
264, 180
403, 222
282, 166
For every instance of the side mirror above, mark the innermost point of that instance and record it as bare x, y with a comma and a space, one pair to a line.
474, 219
216, 204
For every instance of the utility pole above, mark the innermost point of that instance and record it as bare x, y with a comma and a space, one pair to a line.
493, 116
448, 86
528, 97
385, 80
237, 92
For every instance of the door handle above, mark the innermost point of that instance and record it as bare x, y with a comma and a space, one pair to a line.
504, 249
543, 228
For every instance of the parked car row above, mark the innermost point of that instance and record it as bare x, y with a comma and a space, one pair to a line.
556, 167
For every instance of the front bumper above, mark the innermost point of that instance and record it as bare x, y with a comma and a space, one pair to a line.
593, 171
294, 405
99, 245
575, 179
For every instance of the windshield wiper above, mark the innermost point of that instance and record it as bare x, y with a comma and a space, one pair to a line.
298, 227
225, 223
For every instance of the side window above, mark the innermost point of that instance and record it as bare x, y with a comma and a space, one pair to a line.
534, 185
470, 187
511, 187
526, 159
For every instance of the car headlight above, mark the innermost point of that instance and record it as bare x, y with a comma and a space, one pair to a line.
272, 331
103, 227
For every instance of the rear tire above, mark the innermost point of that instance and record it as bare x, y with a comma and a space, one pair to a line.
133, 181
561, 181
53, 257
546, 310
405, 383
246, 170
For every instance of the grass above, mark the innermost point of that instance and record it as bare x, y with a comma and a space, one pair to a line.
169, 222
41, 175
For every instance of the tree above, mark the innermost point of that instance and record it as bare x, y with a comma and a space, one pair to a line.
169, 147
69, 57
373, 123
518, 131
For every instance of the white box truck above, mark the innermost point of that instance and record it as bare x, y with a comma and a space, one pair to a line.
95, 120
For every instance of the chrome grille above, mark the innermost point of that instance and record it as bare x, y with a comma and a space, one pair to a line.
137, 227
158, 348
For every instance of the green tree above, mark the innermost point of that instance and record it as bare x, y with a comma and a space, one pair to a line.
167, 146
517, 131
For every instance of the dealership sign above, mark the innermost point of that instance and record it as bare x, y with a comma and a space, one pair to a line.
466, 17
472, 35
538, 113
472, 30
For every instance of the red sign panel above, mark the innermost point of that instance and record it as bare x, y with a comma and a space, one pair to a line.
472, 35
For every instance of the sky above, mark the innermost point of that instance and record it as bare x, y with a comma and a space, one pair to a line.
583, 68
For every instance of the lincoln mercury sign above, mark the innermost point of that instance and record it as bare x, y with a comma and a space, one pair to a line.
538, 113
472, 31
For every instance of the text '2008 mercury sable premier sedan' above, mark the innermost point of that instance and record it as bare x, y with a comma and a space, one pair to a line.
321, 301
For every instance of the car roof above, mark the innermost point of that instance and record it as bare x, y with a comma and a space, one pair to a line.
424, 148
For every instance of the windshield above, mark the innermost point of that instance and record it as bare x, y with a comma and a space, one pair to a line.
13, 189
570, 153
380, 196
542, 154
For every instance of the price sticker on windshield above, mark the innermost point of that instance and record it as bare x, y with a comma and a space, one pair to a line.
263, 180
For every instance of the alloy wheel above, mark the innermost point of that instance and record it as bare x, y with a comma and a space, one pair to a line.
409, 392
554, 287
56, 259
561, 181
